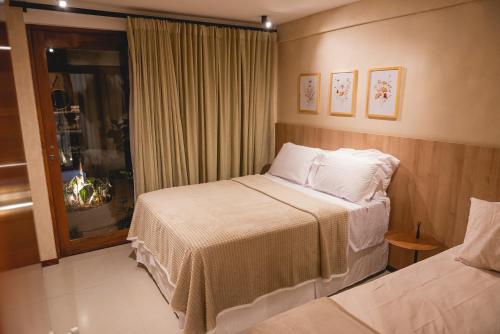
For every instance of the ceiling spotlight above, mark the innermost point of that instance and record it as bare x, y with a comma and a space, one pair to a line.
62, 3
266, 22
51, 50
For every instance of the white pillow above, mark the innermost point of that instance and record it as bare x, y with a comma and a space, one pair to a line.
314, 168
481, 247
346, 176
294, 162
388, 163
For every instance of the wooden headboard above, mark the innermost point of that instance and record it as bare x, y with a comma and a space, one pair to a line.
432, 185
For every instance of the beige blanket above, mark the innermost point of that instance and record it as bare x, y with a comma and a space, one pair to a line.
226, 243
434, 296
321, 316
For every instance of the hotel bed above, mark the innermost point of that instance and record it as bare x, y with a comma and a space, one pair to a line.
436, 295
229, 254
367, 255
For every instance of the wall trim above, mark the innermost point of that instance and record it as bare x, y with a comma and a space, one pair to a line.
375, 133
49, 262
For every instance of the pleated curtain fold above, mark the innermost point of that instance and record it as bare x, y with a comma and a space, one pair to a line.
202, 102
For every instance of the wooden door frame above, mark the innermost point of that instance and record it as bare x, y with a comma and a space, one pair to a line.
40, 38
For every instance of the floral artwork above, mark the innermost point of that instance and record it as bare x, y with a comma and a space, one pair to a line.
309, 93
383, 93
343, 87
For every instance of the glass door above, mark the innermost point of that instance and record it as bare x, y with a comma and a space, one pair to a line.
86, 124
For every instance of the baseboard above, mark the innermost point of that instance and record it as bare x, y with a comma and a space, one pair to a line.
50, 262
390, 269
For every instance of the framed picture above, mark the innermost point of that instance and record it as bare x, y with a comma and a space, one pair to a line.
343, 89
309, 93
383, 93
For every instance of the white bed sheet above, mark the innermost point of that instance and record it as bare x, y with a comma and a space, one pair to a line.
436, 295
367, 223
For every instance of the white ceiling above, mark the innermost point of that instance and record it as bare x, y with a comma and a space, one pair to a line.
279, 11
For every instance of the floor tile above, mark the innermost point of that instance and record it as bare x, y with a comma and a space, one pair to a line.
106, 293
23, 306
19, 285
30, 318
75, 273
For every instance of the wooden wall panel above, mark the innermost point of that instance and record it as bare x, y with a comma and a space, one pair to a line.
18, 244
10, 127
433, 183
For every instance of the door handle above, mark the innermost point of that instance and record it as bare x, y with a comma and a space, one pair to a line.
52, 157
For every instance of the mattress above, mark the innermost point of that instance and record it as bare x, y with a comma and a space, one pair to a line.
436, 295
367, 223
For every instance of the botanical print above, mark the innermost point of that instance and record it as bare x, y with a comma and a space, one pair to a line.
309, 85
342, 89
342, 94
383, 90
309, 92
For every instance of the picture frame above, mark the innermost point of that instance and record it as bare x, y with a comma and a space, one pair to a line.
343, 93
383, 92
309, 92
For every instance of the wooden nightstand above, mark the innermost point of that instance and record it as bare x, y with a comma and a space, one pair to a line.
410, 241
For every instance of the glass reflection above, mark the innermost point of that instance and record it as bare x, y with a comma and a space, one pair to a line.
91, 121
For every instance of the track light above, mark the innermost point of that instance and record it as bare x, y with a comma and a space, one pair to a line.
266, 22
62, 3
51, 50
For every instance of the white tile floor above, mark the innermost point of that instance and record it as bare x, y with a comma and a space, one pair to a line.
23, 306
105, 292
101, 292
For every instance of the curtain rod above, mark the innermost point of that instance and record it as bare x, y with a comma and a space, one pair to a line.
41, 6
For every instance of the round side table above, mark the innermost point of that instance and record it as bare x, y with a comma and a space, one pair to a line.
416, 243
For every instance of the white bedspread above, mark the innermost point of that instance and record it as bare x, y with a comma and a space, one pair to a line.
437, 295
367, 223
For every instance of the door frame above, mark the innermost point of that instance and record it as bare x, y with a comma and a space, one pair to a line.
41, 38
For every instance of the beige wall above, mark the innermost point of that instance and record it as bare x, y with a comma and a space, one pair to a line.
450, 51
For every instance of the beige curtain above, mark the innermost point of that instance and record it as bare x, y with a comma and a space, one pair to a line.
202, 102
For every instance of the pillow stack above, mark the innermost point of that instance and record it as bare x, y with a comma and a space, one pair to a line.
355, 175
481, 247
